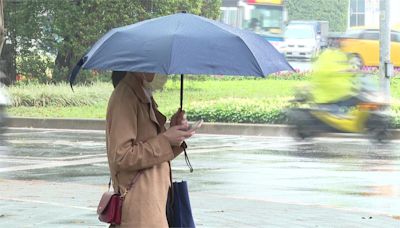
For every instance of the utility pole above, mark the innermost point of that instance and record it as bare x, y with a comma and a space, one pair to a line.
385, 66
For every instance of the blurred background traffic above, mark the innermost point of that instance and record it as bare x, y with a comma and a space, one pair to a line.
357, 35
342, 95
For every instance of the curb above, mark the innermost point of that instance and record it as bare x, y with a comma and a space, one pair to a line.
56, 123
100, 124
207, 128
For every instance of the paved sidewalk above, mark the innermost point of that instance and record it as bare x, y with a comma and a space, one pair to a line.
55, 178
50, 204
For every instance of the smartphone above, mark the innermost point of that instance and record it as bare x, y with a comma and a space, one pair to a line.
195, 125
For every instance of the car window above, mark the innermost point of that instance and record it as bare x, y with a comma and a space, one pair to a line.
299, 32
370, 35
395, 37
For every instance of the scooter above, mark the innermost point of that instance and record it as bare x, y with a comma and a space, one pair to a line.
363, 113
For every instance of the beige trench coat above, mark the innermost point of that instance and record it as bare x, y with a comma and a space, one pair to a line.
133, 144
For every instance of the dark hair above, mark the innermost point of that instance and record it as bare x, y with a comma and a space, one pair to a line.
117, 76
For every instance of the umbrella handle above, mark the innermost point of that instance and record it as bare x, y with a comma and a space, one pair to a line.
181, 97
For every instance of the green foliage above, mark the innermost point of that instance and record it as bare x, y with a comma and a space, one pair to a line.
218, 99
239, 111
35, 67
67, 29
334, 11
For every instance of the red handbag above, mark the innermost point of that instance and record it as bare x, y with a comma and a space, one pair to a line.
110, 205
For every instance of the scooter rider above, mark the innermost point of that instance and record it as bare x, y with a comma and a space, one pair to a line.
333, 79
336, 101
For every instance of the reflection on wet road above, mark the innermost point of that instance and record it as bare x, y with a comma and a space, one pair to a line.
347, 174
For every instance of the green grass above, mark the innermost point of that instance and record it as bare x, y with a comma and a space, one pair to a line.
91, 101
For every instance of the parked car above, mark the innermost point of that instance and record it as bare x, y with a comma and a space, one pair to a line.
301, 41
363, 46
4, 102
320, 27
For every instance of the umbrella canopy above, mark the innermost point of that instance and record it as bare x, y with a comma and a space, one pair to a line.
183, 44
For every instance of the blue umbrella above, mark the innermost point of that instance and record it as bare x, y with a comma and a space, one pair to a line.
183, 43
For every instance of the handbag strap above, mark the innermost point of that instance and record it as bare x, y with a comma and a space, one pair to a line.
109, 184
184, 146
133, 181
170, 200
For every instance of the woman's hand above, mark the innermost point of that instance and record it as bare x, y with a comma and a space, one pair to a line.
179, 118
177, 134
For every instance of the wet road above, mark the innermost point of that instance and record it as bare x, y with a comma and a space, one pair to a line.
54, 178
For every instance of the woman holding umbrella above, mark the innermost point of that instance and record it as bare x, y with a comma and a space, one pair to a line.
139, 149
181, 43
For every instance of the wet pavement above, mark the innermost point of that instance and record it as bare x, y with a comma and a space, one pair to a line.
54, 178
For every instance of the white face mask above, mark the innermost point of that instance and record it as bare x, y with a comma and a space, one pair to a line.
157, 83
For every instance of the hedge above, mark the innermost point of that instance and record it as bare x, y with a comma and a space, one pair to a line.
333, 11
248, 104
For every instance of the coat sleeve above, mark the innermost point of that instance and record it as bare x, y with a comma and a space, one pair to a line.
127, 152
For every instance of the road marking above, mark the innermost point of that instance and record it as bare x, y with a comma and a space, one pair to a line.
51, 158
48, 203
51, 130
54, 164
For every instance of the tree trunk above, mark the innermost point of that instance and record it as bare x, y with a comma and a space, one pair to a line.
9, 49
63, 65
7, 62
2, 39
64, 59
2, 33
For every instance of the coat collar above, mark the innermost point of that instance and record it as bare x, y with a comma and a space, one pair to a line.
135, 83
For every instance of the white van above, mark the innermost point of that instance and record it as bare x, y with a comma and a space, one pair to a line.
301, 41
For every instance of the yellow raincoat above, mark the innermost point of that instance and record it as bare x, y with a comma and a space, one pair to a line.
331, 79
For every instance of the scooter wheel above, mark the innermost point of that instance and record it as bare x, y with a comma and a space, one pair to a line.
380, 136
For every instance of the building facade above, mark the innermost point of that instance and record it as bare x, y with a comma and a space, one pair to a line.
366, 13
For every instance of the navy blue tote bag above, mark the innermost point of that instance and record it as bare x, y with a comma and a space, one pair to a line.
179, 211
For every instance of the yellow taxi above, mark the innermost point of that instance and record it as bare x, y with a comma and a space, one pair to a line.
363, 46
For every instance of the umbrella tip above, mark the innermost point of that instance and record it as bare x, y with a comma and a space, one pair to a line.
183, 11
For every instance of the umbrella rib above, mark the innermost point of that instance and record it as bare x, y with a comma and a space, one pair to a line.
258, 64
252, 54
170, 53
